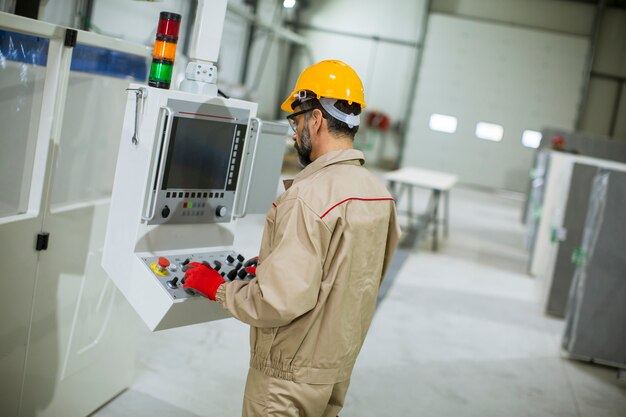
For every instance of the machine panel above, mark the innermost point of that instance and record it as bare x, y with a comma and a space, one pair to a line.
169, 271
181, 172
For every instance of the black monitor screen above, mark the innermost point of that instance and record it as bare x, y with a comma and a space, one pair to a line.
199, 154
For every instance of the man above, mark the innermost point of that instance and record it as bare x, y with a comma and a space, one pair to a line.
327, 242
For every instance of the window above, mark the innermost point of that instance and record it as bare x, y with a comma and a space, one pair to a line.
531, 138
489, 131
442, 123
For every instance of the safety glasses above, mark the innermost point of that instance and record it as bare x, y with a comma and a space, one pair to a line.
292, 117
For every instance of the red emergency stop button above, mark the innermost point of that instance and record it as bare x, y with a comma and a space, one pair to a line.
164, 262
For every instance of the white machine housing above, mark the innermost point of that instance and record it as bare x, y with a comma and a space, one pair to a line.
550, 230
204, 48
182, 179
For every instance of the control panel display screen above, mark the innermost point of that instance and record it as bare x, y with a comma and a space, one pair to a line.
199, 154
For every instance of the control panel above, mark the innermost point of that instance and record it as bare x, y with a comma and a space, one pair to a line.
199, 159
182, 180
170, 270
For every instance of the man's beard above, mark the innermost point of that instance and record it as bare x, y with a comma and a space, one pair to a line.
305, 148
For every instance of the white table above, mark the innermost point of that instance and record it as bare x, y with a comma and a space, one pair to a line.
440, 183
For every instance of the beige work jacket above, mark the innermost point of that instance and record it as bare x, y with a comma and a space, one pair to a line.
327, 243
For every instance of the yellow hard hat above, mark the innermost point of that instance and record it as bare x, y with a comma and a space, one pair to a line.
331, 79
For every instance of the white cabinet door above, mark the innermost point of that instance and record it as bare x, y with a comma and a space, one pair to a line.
24, 135
83, 333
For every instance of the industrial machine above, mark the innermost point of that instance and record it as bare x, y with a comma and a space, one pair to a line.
579, 143
567, 236
596, 313
186, 165
70, 342
558, 231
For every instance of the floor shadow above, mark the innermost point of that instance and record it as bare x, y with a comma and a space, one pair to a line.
138, 404
397, 261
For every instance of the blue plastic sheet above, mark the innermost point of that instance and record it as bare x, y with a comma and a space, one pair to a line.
89, 59
23, 48
95, 60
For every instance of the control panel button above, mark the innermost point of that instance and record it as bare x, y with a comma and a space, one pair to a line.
165, 212
242, 273
217, 265
230, 259
160, 267
221, 211
251, 261
240, 258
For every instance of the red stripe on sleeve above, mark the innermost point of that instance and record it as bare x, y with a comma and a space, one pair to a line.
354, 198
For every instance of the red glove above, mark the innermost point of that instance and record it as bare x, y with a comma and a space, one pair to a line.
250, 265
203, 279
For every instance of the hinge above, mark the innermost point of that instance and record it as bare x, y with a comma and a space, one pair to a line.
42, 241
70, 37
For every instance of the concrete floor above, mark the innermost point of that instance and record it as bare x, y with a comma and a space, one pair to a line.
460, 332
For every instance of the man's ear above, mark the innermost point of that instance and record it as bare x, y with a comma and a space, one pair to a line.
317, 121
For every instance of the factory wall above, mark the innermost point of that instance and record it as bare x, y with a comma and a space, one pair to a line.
517, 64
599, 110
378, 41
477, 76
605, 110
514, 78
268, 60
570, 17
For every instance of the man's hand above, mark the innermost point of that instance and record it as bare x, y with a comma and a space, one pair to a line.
203, 279
250, 266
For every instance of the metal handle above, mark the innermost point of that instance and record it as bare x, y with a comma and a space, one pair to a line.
162, 147
140, 94
243, 213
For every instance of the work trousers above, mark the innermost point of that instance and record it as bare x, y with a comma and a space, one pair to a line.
269, 396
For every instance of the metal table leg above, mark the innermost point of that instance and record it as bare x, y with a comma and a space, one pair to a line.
435, 219
411, 218
446, 215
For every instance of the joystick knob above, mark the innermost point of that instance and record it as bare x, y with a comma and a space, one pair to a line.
165, 212
173, 283
217, 265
